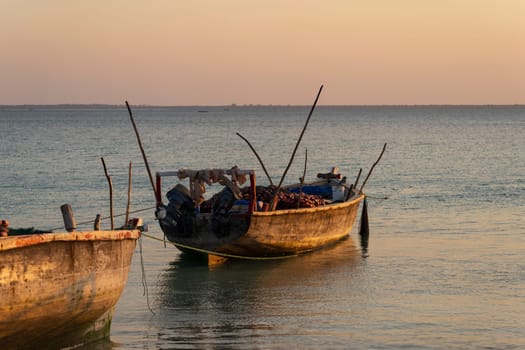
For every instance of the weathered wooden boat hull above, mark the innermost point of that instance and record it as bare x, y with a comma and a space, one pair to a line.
273, 233
60, 289
295, 231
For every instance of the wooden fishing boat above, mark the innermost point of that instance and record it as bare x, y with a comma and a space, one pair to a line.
60, 289
235, 225
241, 224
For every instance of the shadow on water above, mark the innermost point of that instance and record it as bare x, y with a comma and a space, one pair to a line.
234, 303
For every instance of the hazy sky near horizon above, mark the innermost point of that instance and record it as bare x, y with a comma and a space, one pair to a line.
219, 52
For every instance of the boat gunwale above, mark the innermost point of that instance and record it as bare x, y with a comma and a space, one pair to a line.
13, 242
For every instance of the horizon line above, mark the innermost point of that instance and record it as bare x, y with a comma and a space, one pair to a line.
234, 105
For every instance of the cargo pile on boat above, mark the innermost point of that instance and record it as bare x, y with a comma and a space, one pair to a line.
287, 199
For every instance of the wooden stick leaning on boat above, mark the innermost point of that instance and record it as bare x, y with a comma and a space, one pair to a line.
258, 158
110, 193
142, 150
372, 168
274, 200
358, 176
349, 191
302, 178
128, 205
364, 229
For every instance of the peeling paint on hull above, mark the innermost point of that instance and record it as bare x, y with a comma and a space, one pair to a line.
60, 289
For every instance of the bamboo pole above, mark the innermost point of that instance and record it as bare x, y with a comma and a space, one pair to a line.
142, 150
274, 200
258, 158
129, 196
372, 168
302, 178
349, 193
358, 176
110, 183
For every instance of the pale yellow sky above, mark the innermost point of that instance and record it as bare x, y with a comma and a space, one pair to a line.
218, 52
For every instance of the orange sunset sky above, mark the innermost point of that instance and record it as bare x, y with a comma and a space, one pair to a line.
219, 52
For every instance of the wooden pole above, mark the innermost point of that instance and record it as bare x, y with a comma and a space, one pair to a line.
70, 223
110, 183
372, 168
358, 176
129, 197
274, 200
141, 149
258, 158
302, 178
349, 193
96, 223
253, 193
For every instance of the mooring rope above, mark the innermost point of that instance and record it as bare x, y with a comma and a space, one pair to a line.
105, 218
144, 281
225, 255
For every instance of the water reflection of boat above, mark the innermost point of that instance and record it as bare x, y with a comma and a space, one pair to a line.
234, 303
185, 283
60, 289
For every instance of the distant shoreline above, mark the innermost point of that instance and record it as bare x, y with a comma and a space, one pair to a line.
96, 105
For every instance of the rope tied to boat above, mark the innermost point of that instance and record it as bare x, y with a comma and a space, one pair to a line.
225, 255
144, 280
106, 218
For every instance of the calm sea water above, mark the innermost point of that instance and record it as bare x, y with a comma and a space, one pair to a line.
447, 254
